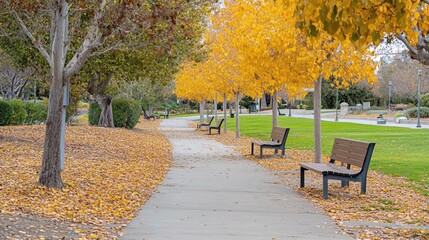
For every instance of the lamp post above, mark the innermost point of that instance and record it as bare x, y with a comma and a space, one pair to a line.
336, 106
419, 71
390, 90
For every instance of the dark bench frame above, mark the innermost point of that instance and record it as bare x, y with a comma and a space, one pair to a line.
281, 114
209, 122
347, 152
219, 124
278, 141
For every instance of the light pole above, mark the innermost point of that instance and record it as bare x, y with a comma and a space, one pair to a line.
390, 90
336, 106
418, 98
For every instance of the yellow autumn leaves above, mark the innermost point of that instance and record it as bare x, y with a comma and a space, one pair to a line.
109, 174
255, 47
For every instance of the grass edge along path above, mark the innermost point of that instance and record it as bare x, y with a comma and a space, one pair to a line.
389, 200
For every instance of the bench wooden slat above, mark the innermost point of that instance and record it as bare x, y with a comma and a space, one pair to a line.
278, 133
348, 157
352, 143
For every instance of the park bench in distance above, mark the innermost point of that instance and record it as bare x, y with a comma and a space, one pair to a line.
209, 121
346, 152
166, 113
278, 141
216, 127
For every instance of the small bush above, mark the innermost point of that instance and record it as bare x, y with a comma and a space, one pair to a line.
36, 112
94, 113
400, 114
5, 113
424, 112
18, 112
424, 100
126, 113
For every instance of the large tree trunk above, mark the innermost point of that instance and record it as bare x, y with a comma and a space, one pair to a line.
237, 111
275, 107
50, 174
106, 116
224, 113
317, 121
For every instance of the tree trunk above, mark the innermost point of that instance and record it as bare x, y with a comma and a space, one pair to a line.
237, 121
50, 174
275, 107
224, 114
317, 121
106, 116
202, 111
263, 102
215, 107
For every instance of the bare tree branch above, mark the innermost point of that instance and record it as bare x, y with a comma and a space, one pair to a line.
36, 44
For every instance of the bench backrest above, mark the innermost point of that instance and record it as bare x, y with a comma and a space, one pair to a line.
219, 123
279, 134
210, 120
351, 152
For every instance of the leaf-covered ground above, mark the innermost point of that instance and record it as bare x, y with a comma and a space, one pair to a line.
109, 173
389, 200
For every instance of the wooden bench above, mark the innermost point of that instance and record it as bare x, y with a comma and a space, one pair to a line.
278, 141
209, 122
216, 127
347, 153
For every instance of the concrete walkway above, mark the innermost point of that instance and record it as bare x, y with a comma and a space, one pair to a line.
212, 193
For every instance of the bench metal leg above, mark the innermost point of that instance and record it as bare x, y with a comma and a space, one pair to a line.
325, 187
302, 178
344, 183
276, 151
210, 131
251, 152
363, 186
260, 152
283, 151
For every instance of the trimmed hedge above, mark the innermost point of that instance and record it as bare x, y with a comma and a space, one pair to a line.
36, 113
94, 113
424, 112
5, 113
424, 100
18, 112
126, 113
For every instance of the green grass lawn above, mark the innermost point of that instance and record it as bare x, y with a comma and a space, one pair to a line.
398, 151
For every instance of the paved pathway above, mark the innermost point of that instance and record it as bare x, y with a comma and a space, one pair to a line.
212, 193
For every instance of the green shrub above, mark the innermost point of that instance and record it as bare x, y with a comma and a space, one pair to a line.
18, 112
126, 113
400, 114
94, 113
424, 100
424, 112
36, 112
5, 113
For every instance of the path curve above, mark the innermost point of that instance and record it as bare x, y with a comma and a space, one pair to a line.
213, 193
